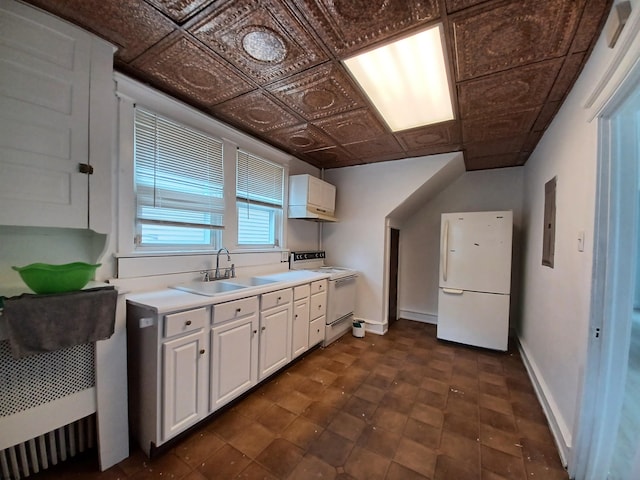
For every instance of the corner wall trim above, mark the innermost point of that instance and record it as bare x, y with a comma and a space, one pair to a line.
419, 316
558, 427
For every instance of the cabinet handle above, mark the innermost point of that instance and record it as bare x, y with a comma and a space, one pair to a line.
238, 310
279, 298
255, 331
202, 352
296, 315
187, 323
263, 328
319, 307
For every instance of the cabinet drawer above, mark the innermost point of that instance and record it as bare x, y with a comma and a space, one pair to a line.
223, 312
318, 286
318, 305
183, 322
273, 299
316, 331
301, 291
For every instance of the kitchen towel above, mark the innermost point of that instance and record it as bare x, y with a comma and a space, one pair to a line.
44, 323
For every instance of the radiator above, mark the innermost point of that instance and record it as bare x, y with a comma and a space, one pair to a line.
46, 450
27, 387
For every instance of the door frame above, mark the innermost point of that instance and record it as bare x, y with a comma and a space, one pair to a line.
615, 233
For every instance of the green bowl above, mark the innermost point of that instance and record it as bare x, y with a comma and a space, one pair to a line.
46, 278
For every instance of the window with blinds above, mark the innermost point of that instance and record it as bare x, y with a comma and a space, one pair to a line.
179, 184
259, 200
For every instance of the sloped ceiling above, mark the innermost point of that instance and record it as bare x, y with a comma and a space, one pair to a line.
272, 68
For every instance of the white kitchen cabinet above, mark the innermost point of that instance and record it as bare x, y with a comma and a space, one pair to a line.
311, 197
234, 350
184, 379
275, 331
168, 357
317, 312
56, 113
300, 323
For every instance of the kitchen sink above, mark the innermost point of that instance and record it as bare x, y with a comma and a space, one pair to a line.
209, 288
249, 281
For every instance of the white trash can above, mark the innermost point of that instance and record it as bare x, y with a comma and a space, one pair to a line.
358, 329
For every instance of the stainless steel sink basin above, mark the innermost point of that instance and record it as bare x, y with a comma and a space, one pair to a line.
249, 281
209, 288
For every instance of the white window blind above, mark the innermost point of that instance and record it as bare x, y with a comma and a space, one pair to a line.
259, 193
179, 183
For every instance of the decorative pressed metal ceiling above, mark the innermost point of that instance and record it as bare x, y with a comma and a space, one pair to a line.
272, 68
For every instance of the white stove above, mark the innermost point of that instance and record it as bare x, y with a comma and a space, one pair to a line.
341, 298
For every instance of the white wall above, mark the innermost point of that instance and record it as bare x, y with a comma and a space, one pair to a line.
302, 234
486, 190
555, 304
366, 195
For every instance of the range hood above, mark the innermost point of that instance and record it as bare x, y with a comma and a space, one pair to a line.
308, 212
311, 199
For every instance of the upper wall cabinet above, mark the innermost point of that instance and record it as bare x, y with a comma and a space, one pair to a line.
311, 198
57, 110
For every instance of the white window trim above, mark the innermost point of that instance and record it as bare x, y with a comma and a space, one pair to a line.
131, 93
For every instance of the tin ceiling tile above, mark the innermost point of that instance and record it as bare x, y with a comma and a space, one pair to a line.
319, 92
513, 90
512, 34
378, 147
350, 25
595, 14
567, 76
494, 161
354, 126
455, 5
255, 111
547, 113
302, 138
260, 37
178, 10
330, 157
445, 133
189, 70
495, 147
498, 126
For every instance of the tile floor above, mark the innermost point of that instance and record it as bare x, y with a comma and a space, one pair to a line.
402, 406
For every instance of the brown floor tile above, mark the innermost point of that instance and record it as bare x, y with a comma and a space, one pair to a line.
334, 397
229, 424
416, 457
320, 413
461, 448
497, 420
195, 475
253, 439
379, 440
166, 466
312, 467
501, 463
448, 468
427, 414
302, 432
194, 450
381, 382
389, 420
331, 448
295, 402
360, 408
400, 472
276, 418
347, 426
461, 425
396, 403
495, 403
255, 472
322, 376
365, 465
280, 457
369, 392
422, 433
500, 440
225, 463
253, 406
460, 405
435, 386
434, 399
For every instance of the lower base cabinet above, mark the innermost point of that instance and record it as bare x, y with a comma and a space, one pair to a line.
275, 331
234, 359
184, 375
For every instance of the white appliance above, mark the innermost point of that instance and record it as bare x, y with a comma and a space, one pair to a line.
475, 278
341, 295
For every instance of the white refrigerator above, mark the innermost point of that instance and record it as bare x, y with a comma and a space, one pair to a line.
475, 278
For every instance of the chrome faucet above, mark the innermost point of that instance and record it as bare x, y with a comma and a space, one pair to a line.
226, 274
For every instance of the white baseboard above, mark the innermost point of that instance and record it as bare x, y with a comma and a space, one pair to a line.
418, 316
558, 426
372, 326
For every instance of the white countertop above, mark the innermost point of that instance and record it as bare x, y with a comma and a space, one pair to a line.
171, 299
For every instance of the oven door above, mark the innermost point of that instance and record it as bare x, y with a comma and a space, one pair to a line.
342, 298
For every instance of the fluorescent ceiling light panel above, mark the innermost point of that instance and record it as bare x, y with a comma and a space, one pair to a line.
407, 80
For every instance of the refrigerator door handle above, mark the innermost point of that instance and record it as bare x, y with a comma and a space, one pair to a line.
453, 291
445, 250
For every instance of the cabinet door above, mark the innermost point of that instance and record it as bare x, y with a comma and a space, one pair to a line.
275, 340
44, 104
234, 359
300, 330
184, 396
322, 195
